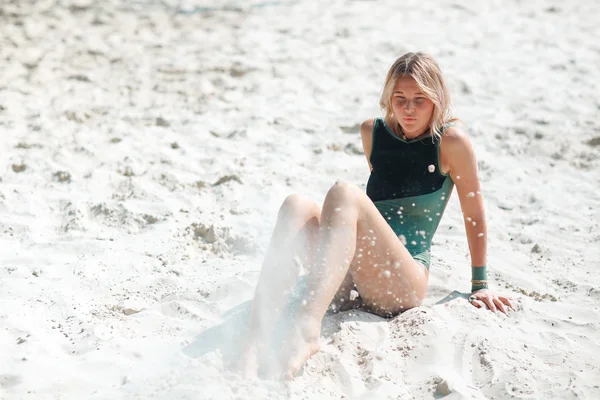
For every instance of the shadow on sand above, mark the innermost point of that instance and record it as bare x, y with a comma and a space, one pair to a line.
454, 295
228, 337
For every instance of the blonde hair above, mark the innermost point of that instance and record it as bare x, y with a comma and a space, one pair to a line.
426, 72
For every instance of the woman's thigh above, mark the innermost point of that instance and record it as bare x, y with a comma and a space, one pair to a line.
306, 209
387, 277
301, 212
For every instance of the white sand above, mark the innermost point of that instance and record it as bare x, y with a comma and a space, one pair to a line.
125, 270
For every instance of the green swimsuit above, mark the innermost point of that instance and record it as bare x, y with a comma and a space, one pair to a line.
408, 188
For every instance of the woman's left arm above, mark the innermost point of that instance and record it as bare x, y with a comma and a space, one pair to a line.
458, 155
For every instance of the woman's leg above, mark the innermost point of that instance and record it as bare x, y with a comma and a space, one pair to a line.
293, 238
343, 299
353, 236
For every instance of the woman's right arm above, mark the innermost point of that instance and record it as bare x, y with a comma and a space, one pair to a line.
366, 133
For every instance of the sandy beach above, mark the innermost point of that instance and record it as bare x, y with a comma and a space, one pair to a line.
145, 148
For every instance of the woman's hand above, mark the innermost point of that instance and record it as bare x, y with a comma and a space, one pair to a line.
492, 301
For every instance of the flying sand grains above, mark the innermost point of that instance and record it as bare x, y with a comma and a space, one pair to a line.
480, 235
402, 239
387, 273
353, 295
431, 168
471, 194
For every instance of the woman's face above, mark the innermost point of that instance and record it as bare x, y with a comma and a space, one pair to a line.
412, 109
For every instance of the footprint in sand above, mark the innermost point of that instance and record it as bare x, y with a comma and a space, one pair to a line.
594, 142
7, 381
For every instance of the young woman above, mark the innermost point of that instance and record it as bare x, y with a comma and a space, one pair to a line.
374, 247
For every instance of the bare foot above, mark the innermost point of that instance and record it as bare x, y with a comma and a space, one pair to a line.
248, 363
304, 343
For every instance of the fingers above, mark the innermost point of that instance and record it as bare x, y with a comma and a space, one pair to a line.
500, 305
493, 302
507, 301
473, 300
476, 303
489, 301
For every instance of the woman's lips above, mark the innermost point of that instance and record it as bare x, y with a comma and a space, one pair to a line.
409, 119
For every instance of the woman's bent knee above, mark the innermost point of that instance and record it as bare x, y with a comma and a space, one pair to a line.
344, 191
343, 196
296, 205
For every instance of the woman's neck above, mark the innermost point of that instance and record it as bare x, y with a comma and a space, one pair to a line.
399, 132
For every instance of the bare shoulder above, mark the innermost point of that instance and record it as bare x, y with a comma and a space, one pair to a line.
366, 135
366, 128
455, 140
454, 135
456, 150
